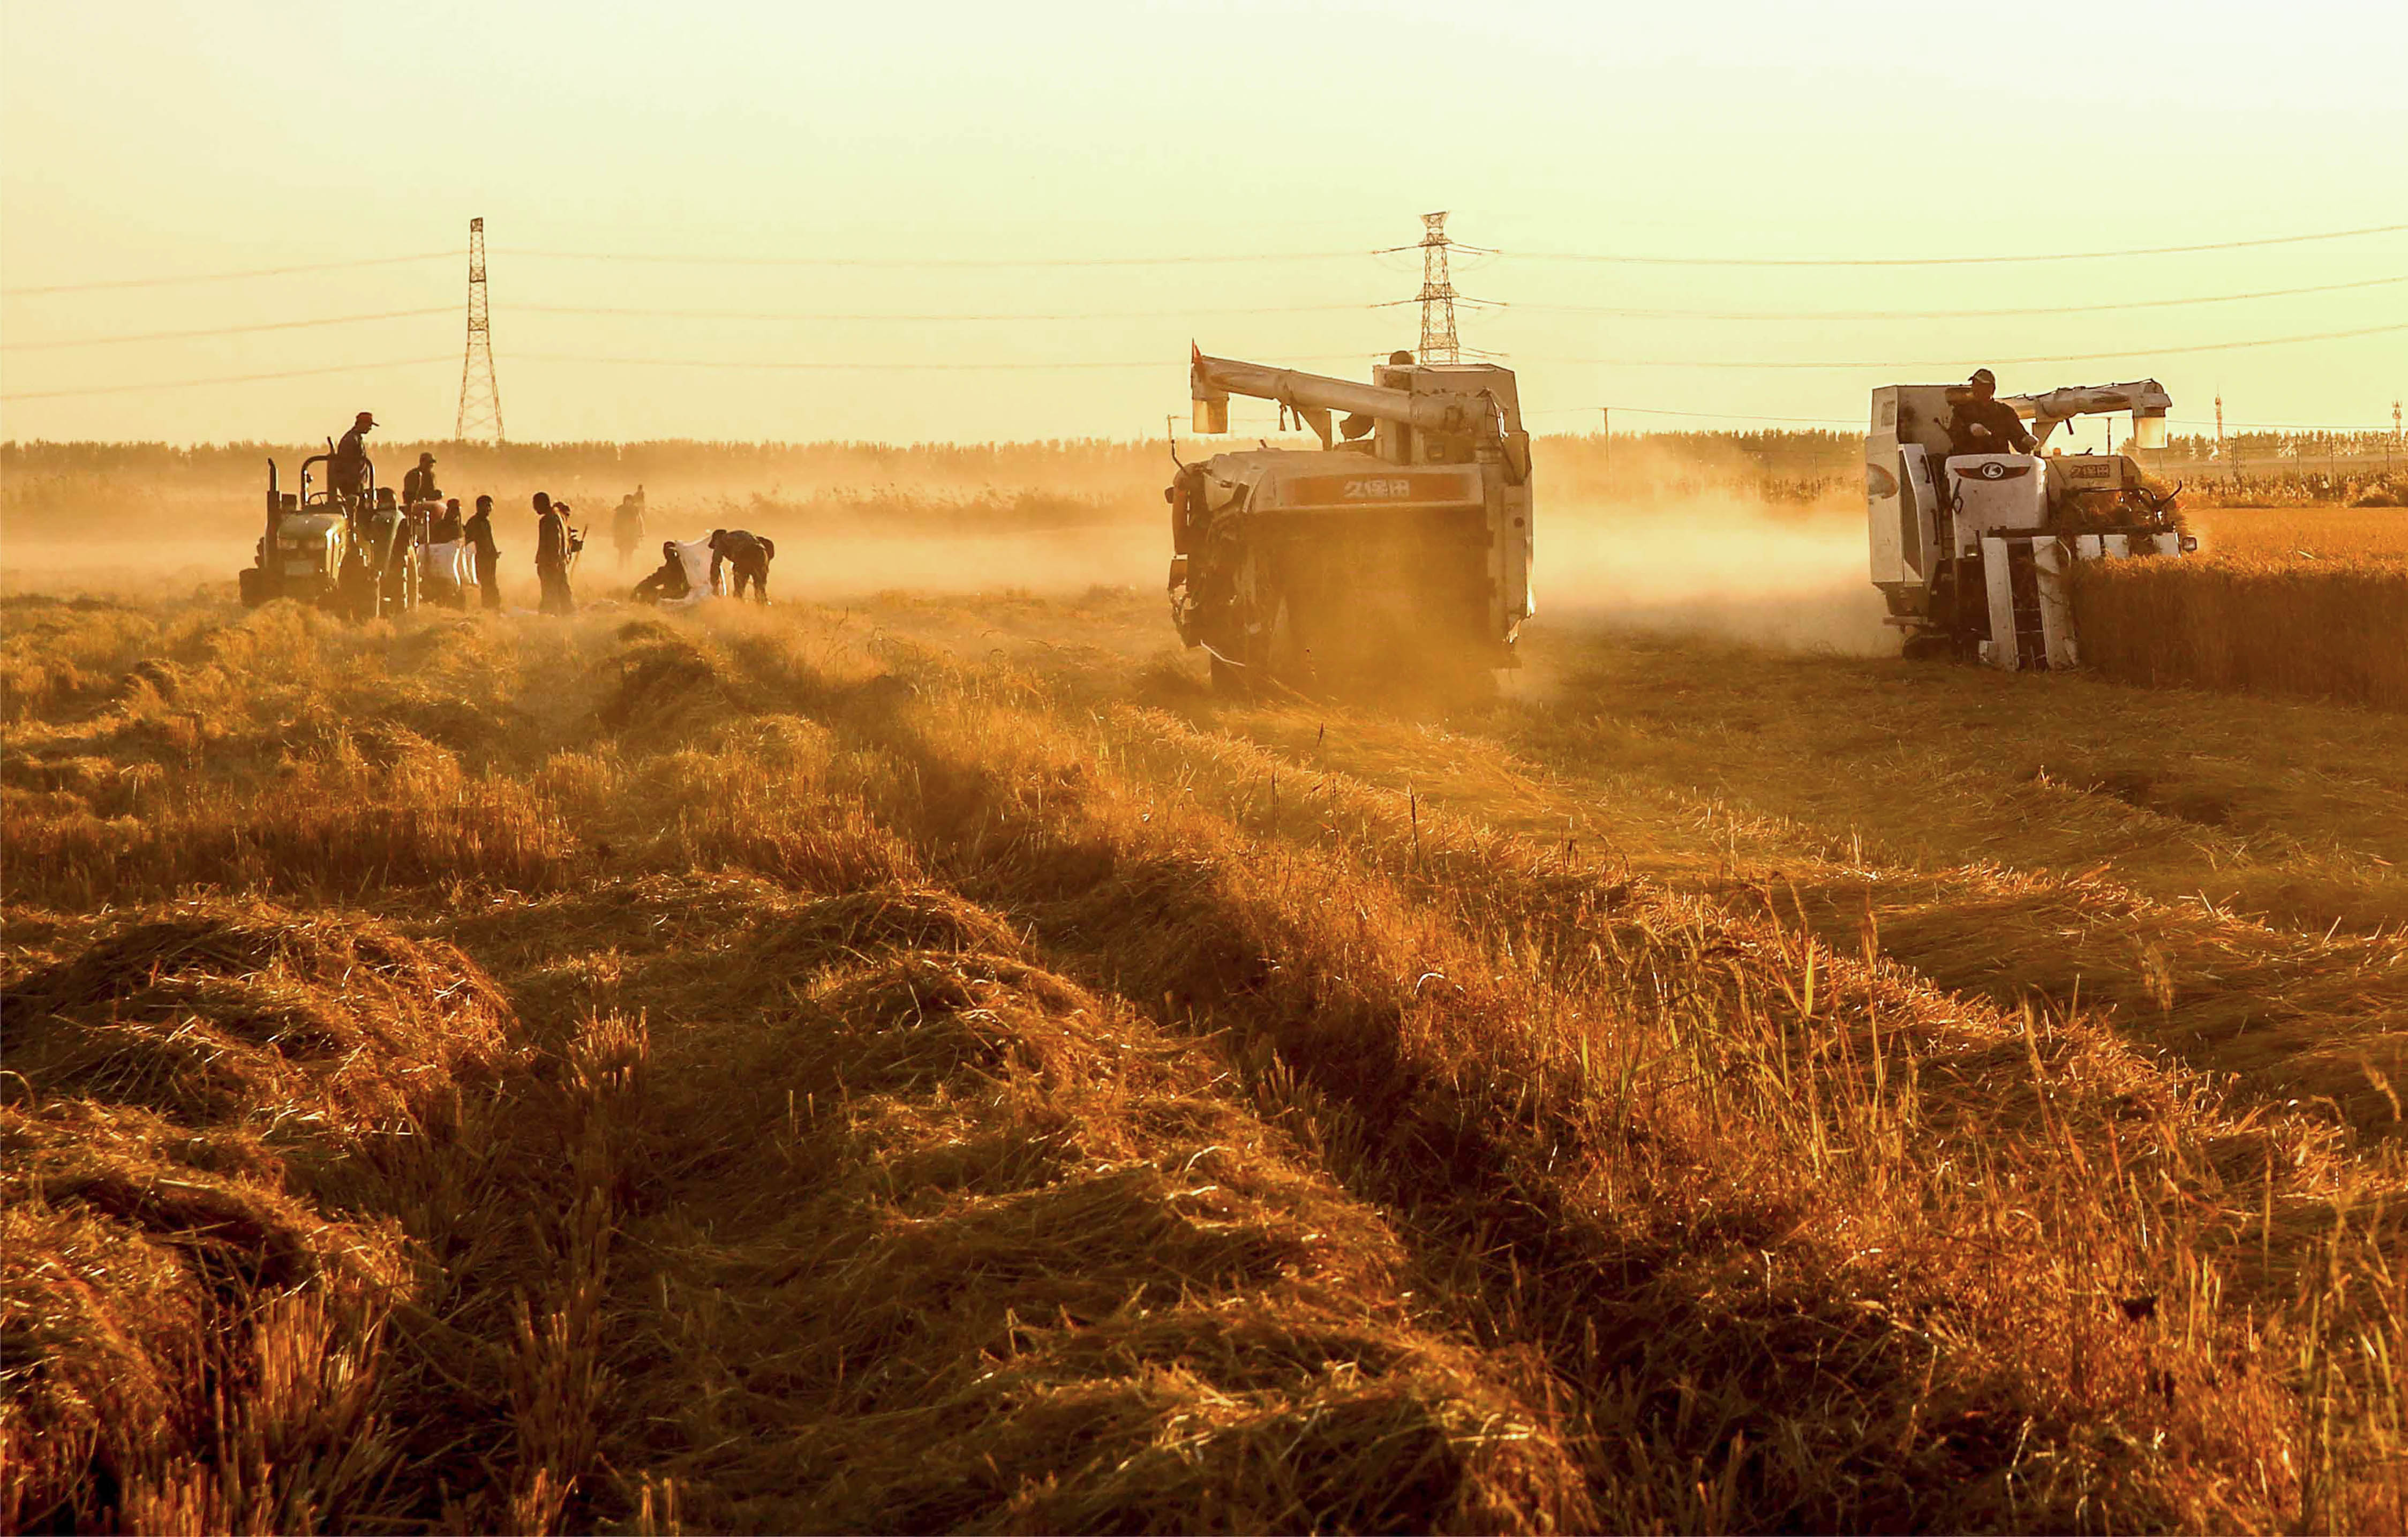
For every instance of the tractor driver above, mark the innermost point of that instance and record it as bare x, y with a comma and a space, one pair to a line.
347, 472
418, 484
1980, 424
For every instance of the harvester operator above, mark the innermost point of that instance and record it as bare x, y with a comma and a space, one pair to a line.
480, 531
418, 484
347, 472
554, 543
1980, 424
749, 554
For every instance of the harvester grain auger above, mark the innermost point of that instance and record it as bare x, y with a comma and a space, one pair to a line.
1403, 544
1973, 551
351, 551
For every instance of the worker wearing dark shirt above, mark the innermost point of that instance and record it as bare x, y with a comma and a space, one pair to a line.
749, 554
553, 545
667, 583
1981, 423
418, 484
447, 524
480, 533
347, 473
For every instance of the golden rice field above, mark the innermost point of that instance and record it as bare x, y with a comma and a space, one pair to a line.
2310, 601
928, 1064
2305, 533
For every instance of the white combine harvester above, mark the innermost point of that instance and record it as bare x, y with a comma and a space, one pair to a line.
1972, 551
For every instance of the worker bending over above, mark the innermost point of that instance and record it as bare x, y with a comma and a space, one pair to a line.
1981, 423
750, 555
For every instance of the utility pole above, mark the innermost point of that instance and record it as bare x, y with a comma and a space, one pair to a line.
1605, 436
1437, 294
481, 397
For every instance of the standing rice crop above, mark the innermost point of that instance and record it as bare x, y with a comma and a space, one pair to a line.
2333, 630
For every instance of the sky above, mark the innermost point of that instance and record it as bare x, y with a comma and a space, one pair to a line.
838, 185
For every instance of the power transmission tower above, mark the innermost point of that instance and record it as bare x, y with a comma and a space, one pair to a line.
481, 397
1437, 294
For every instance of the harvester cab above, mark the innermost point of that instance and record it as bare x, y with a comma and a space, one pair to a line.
349, 551
1973, 551
1404, 540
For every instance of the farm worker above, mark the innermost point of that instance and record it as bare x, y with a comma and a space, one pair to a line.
418, 484
749, 554
447, 524
346, 475
667, 583
1980, 424
480, 531
627, 529
552, 548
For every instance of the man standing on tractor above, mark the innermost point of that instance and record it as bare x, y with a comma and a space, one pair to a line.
418, 484
480, 531
627, 529
347, 472
553, 546
1980, 424
749, 554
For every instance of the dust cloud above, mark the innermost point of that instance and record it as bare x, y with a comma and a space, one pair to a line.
1767, 577
813, 563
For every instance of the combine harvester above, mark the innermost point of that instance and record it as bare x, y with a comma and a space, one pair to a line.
1973, 551
1404, 543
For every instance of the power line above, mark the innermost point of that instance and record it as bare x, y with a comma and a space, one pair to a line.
936, 261
1942, 314
222, 379
220, 331
1952, 363
1947, 261
229, 277
821, 366
866, 315
1055, 317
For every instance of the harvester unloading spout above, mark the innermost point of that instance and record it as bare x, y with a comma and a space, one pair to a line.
1407, 536
1211, 381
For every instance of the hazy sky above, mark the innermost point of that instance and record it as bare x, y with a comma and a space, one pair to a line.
145, 141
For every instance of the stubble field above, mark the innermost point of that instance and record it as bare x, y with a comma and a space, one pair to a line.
914, 1058
926, 1063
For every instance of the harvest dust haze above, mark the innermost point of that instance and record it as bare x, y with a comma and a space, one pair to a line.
914, 1056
